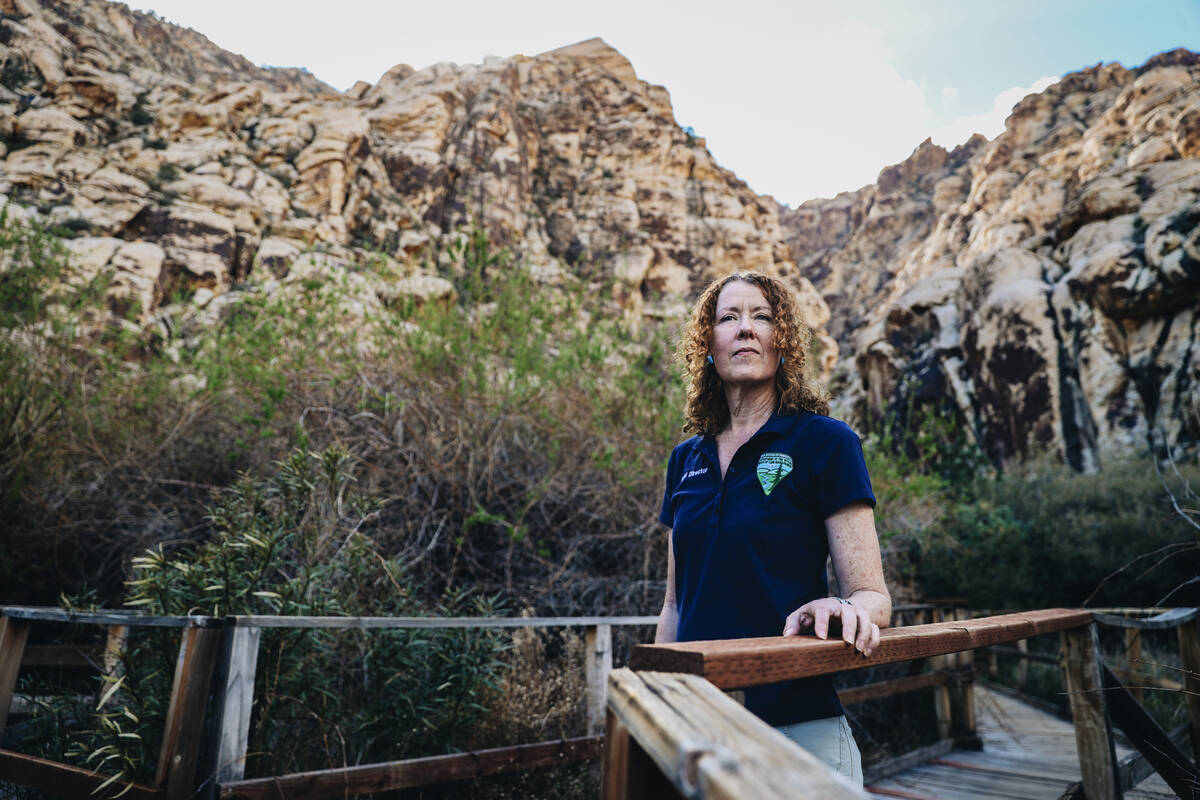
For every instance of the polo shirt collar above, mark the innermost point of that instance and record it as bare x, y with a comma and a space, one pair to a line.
776, 425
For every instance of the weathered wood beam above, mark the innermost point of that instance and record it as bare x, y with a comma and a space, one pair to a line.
1131, 770
360, 623
107, 617
1149, 739
909, 683
62, 780
1189, 656
736, 663
597, 665
349, 781
706, 745
235, 699
184, 729
1093, 736
13, 633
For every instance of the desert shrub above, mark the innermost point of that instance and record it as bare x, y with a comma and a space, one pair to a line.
512, 448
1054, 537
297, 543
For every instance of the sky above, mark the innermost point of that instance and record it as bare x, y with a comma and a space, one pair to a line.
799, 98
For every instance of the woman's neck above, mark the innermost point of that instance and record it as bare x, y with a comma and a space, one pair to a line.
749, 407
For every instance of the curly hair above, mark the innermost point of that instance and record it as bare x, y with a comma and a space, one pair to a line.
707, 411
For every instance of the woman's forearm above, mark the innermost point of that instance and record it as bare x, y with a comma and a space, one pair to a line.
668, 622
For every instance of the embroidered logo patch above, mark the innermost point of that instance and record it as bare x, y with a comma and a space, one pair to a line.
772, 468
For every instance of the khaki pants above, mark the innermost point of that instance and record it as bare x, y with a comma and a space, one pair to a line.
831, 742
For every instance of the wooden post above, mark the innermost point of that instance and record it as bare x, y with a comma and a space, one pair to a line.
941, 694
1133, 657
965, 722
1081, 661
235, 699
598, 649
1189, 653
184, 728
13, 633
627, 772
1022, 665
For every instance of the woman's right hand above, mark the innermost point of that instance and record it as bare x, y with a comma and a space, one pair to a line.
857, 627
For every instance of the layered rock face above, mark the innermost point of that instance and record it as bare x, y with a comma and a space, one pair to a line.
135, 131
1046, 283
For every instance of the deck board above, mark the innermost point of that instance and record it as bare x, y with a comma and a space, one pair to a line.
1027, 754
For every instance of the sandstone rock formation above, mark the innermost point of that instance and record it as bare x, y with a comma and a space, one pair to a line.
1045, 284
126, 127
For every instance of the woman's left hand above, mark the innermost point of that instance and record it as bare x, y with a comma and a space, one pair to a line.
857, 628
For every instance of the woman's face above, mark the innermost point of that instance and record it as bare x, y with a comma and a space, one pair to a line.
741, 344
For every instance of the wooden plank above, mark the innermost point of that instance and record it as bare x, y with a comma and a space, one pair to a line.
709, 746
597, 666
1171, 618
941, 711
893, 766
1150, 740
1135, 681
614, 768
1023, 653
1189, 656
1133, 656
1023, 665
1093, 737
13, 634
349, 781
62, 780
134, 619
184, 728
1131, 770
107, 617
628, 772
736, 663
235, 700
910, 683
360, 623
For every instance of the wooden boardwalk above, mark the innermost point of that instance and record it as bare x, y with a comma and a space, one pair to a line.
1027, 754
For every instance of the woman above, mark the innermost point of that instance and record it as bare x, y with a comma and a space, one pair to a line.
767, 489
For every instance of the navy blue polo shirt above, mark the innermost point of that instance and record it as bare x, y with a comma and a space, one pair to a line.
751, 549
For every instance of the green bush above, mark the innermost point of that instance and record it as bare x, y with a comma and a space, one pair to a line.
298, 544
1059, 538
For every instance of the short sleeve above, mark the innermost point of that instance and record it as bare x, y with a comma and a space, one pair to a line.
665, 516
843, 477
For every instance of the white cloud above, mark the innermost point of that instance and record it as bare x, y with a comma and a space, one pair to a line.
949, 92
990, 123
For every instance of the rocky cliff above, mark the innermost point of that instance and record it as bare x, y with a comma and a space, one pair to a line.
1045, 284
189, 169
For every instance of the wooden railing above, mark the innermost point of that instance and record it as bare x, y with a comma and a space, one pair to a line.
668, 724
214, 675
652, 743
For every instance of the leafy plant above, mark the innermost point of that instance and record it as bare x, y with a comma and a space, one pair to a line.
295, 545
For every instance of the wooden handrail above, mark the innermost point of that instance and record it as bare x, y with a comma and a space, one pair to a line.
736, 663
671, 734
137, 620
